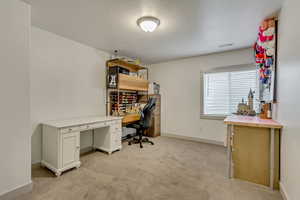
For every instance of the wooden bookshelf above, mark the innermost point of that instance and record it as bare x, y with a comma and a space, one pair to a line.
117, 101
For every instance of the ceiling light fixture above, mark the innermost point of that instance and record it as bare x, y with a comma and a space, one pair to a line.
148, 24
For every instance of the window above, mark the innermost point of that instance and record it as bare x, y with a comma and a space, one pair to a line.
222, 91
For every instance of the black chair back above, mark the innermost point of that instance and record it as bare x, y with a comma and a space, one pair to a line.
146, 113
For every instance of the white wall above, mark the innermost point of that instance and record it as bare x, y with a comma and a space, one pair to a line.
289, 97
15, 166
180, 88
67, 80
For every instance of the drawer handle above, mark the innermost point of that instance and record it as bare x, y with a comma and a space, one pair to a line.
70, 129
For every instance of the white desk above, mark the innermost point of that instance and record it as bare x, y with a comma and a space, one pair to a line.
61, 140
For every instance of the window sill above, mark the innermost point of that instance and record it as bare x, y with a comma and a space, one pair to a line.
213, 117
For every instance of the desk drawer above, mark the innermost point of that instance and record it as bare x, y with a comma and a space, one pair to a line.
96, 125
116, 129
117, 124
70, 129
117, 139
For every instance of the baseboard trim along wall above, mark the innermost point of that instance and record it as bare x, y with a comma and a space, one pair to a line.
193, 139
35, 162
86, 150
283, 192
17, 192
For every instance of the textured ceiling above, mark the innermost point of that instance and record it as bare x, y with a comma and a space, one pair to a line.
188, 27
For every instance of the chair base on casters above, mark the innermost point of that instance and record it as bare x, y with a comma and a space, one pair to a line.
140, 141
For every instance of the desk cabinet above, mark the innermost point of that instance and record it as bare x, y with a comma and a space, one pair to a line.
70, 147
253, 150
251, 155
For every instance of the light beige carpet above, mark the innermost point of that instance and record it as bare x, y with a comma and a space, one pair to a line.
171, 169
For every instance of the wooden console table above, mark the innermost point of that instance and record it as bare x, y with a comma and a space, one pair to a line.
253, 149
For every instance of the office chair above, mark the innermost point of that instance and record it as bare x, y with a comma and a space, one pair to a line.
143, 124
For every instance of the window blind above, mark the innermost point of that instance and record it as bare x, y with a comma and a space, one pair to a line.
224, 90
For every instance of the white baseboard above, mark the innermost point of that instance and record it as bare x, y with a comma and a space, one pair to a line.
35, 162
193, 139
86, 150
283, 192
17, 192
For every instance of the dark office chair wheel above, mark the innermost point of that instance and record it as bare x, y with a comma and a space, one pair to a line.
129, 143
150, 142
146, 140
141, 146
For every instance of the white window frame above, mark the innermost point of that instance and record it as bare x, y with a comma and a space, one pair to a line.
243, 67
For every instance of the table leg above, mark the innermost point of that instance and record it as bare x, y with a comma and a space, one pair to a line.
93, 140
272, 158
229, 150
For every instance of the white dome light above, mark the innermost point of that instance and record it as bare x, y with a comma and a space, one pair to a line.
148, 24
